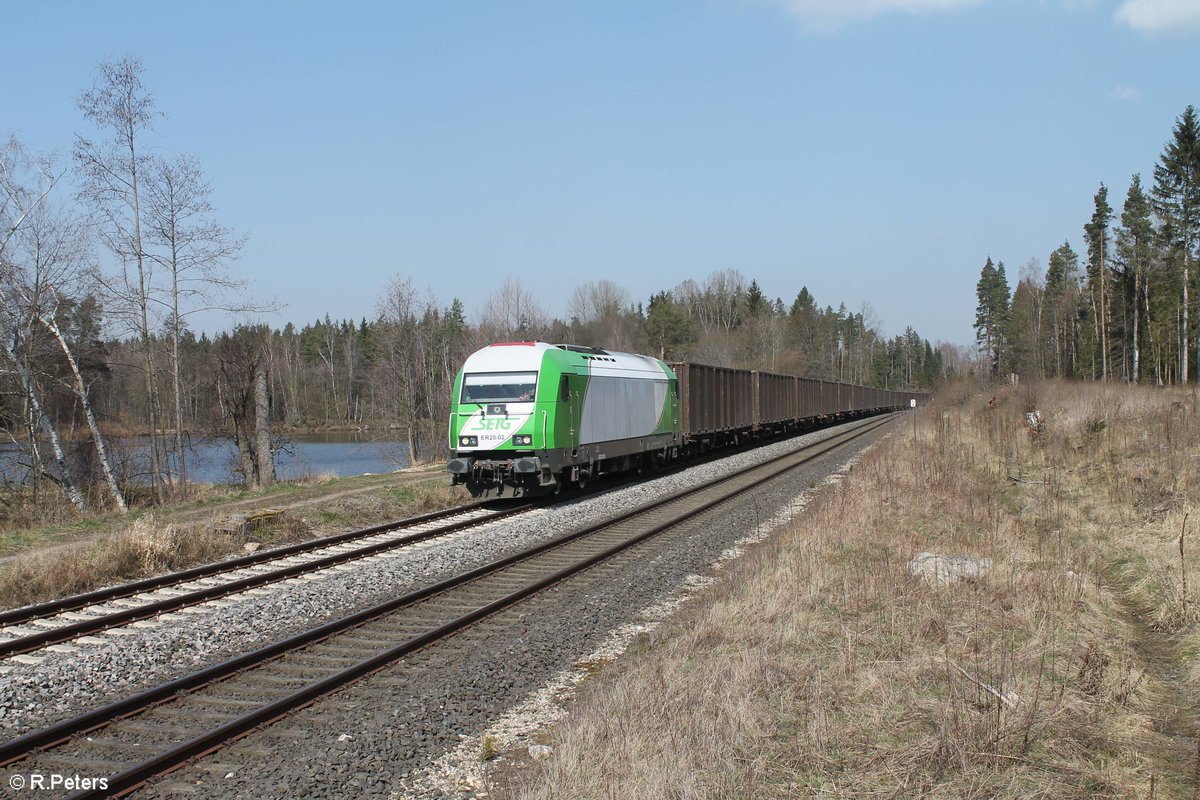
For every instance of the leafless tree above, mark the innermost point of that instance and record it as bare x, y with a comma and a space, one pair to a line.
42, 256
399, 350
717, 304
767, 340
54, 262
512, 312
193, 250
1033, 278
597, 300
242, 389
111, 173
869, 324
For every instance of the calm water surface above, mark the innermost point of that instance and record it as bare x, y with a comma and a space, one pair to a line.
213, 461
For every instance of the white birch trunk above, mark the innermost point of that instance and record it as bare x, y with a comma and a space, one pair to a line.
70, 489
82, 393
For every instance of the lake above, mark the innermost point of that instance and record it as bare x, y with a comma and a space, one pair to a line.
211, 461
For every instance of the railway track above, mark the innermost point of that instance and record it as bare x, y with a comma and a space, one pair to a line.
31, 628
26, 630
197, 714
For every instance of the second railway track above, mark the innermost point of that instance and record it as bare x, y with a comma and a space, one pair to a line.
31, 628
28, 629
193, 715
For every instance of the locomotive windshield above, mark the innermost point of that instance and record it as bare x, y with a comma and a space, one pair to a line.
498, 387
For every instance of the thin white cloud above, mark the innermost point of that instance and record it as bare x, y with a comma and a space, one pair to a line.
1160, 16
1123, 92
824, 15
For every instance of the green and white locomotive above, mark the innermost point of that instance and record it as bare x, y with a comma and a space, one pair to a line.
531, 417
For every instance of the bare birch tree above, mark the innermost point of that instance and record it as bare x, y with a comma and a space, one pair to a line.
111, 174
40, 253
399, 356
597, 300
512, 312
192, 250
717, 304
51, 260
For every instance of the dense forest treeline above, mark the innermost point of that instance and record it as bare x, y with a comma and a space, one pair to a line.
103, 263
1124, 306
394, 368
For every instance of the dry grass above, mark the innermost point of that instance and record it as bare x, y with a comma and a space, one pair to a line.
148, 547
823, 668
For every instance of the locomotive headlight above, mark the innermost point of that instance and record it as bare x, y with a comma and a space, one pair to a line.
523, 440
468, 441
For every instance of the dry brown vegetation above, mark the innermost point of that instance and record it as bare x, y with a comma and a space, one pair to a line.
150, 547
821, 666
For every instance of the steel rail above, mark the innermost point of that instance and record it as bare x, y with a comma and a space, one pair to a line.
70, 631
16, 616
128, 780
29, 613
133, 778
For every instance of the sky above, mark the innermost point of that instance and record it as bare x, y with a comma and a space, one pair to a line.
875, 151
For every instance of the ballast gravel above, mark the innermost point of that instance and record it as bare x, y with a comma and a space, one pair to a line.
379, 736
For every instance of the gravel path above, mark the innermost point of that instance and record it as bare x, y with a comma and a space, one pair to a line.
376, 738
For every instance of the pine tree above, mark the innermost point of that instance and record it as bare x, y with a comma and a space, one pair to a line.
756, 301
991, 314
667, 327
1096, 234
1062, 297
1177, 202
1135, 252
1001, 296
931, 366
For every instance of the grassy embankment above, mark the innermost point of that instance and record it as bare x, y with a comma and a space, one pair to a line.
53, 551
820, 666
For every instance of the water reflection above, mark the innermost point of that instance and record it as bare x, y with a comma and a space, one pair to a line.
216, 461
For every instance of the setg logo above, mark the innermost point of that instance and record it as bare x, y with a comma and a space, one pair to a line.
492, 431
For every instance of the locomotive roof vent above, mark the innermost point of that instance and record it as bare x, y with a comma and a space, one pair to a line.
578, 348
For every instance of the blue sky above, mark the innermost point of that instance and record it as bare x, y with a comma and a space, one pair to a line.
876, 151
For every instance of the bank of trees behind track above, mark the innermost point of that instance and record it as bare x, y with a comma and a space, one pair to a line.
1119, 305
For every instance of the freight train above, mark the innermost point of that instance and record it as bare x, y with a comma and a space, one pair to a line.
531, 417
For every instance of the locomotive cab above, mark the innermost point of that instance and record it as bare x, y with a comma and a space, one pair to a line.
494, 430
530, 417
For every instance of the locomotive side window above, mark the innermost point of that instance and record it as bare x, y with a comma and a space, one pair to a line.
499, 387
564, 389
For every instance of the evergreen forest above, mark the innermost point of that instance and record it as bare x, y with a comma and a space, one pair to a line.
1122, 307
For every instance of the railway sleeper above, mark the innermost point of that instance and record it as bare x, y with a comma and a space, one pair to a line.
139, 726
197, 715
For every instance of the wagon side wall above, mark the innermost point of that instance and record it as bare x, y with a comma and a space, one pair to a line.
714, 399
